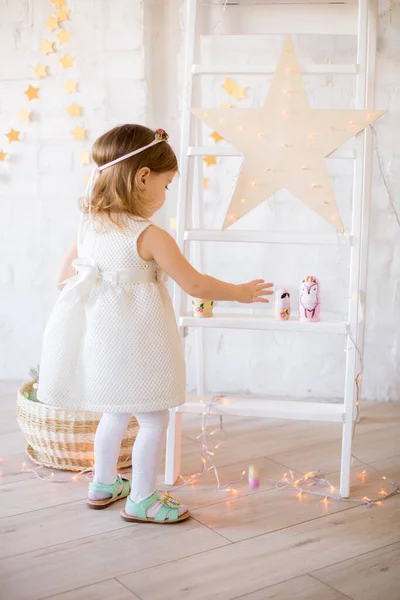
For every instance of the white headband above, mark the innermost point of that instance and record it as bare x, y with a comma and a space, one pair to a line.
161, 136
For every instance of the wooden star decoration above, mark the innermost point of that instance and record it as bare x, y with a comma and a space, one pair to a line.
47, 47
32, 93
67, 61
13, 136
24, 115
70, 86
205, 182
74, 110
52, 23
62, 14
285, 143
216, 137
79, 133
84, 157
210, 160
233, 89
40, 71
64, 37
3, 155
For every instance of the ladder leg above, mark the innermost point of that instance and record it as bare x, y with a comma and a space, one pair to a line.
347, 432
173, 450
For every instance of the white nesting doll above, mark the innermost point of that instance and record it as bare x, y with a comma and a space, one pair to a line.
309, 299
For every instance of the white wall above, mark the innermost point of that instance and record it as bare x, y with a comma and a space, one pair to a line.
40, 187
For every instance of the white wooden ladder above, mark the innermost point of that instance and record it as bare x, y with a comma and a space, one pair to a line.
280, 18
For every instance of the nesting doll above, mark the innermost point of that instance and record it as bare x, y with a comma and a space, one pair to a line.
309, 299
282, 305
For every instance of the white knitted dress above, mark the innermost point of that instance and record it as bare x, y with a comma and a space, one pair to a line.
111, 343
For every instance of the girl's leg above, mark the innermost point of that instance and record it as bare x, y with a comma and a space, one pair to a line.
107, 444
146, 457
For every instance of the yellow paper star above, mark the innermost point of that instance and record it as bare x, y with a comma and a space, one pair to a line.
86, 179
74, 110
67, 61
64, 37
205, 183
32, 93
3, 155
79, 133
52, 23
62, 14
233, 89
70, 86
285, 143
13, 136
216, 137
84, 157
40, 71
58, 3
223, 105
24, 115
210, 160
47, 47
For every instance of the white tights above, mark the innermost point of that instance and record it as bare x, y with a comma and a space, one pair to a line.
146, 453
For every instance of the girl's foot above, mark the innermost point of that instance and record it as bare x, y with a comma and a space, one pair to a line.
155, 509
101, 495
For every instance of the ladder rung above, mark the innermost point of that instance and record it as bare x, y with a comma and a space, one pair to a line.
311, 69
267, 408
266, 237
231, 151
265, 322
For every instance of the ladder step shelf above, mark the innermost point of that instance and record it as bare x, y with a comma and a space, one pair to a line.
267, 237
266, 408
311, 69
231, 151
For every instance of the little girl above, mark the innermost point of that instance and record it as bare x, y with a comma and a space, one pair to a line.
111, 344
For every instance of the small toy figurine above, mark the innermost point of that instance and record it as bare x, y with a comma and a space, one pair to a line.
282, 305
202, 308
309, 299
254, 478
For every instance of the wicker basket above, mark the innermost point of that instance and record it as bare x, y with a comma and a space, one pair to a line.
63, 439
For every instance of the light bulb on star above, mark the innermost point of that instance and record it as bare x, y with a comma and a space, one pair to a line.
290, 142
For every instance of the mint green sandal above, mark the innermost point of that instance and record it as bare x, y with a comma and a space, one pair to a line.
168, 512
119, 489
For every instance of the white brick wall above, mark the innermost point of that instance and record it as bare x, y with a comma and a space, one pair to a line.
42, 181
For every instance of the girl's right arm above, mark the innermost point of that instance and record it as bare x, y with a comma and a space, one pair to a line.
155, 243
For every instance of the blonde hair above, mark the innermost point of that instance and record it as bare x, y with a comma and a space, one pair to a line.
115, 194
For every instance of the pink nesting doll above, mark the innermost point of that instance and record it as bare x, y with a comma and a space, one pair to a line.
309, 299
282, 305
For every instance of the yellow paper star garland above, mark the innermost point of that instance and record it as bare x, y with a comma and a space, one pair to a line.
233, 89
52, 23
67, 61
64, 37
74, 110
47, 47
24, 115
70, 86
79, 133
216, 137
40, 71
13, 136
285, 143
210, 160
3, 155
32, 93
84, 157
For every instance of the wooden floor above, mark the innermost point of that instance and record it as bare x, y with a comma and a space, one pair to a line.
260, 545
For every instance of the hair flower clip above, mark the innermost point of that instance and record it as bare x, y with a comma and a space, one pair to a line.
161, 135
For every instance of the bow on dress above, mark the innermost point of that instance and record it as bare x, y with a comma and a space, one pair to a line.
79, 286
